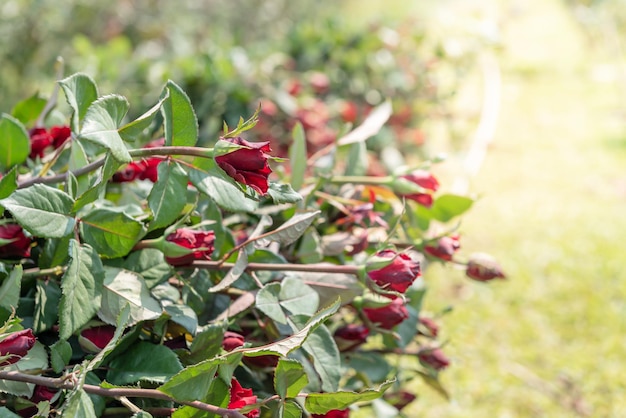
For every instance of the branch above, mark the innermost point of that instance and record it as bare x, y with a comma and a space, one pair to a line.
319, 268
116, 392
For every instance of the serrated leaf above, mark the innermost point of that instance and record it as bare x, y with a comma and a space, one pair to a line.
322, 350
291, 230
321, 403
150, 264
234, 273
193, 382
370, 126
111, 233
60, 355
290, 409
8, 183
285, 346
330, 286
184, 316
28, 110
283, 193
79, 404
81, 282
144, 362
297, 156
78, 159
179, 119
101, 122
133, 130
289, 297
206, 344
209, 180
218, 394
15, 144
449, 206
47, 299
289, 378
10, 290
110, 167
120, 325
80, 91
168, 196
41, 210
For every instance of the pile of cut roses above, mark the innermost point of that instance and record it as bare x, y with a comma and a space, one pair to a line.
142, 275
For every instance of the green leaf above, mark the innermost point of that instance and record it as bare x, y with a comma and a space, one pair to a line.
5, 413
60, 355
133, 130
193, 382
79, 404
297, 156
150, 264
322, 350
268, 302
168, 196
184, 316
423, 216
101, 122
289, 378
81, 282
15, 144
330, 286
290, 409
111, 233
217, 394
179, 119
47, 299
35, 359
449, 206
283, 193
144, 362
321, 403
357, 160
8, 183
373, 365
123, 287
291, 230
234, 273
41, 210
110, 167
289, 297
10, 290
80, 91
287, 345
210, 180
78, 159
28, 110
206, 344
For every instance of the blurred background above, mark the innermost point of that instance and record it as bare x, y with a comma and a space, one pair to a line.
525, 97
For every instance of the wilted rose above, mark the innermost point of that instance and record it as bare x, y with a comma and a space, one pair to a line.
445, 248
434, 358
247, 165
421, 178
201, 241
483, 267
397, 275
388, 316
16, 345
351, 336
19, 245
240, 397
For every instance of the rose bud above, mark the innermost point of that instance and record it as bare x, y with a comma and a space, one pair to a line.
247, 165
428, 327
445, 248
149, 169
40, 139
388, 316
59, 134
19, 245
232, 340
349, 112
16, 345
434, 358
202, 242
93, 340
351, 336
335, 413
128, 174
408, 186
398, 275
240, 397
399, 399
483, 267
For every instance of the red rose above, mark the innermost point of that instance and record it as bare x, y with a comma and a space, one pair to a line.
42, 393
335, 413
434, 359
240, 397
19, 245
93, 340
445, 248
397, 275
388, 316
16, 345
425, 180
202, 241
351, 336
247, 165
232, 340
59, 134
483, 267
40, 139
142, 170
430, 327
149, 169
349, 112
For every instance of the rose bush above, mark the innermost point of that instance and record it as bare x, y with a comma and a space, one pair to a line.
164, 277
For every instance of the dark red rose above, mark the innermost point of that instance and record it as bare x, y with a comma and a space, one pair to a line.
232, 340
400, 399
247, 165
434, 358
388, 316
128, 173
149, 169
429, 327
351, 336
59, 134
240, 397
42, 393
483, 267
93, 340
261, 362
191, 239
335, 413
40, 139
445, 248
20, 244
16, 345
397, 275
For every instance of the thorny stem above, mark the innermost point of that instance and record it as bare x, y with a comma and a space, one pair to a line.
319, 268
35, 272
60, 383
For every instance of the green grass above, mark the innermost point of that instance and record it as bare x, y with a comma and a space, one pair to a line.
550, 341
